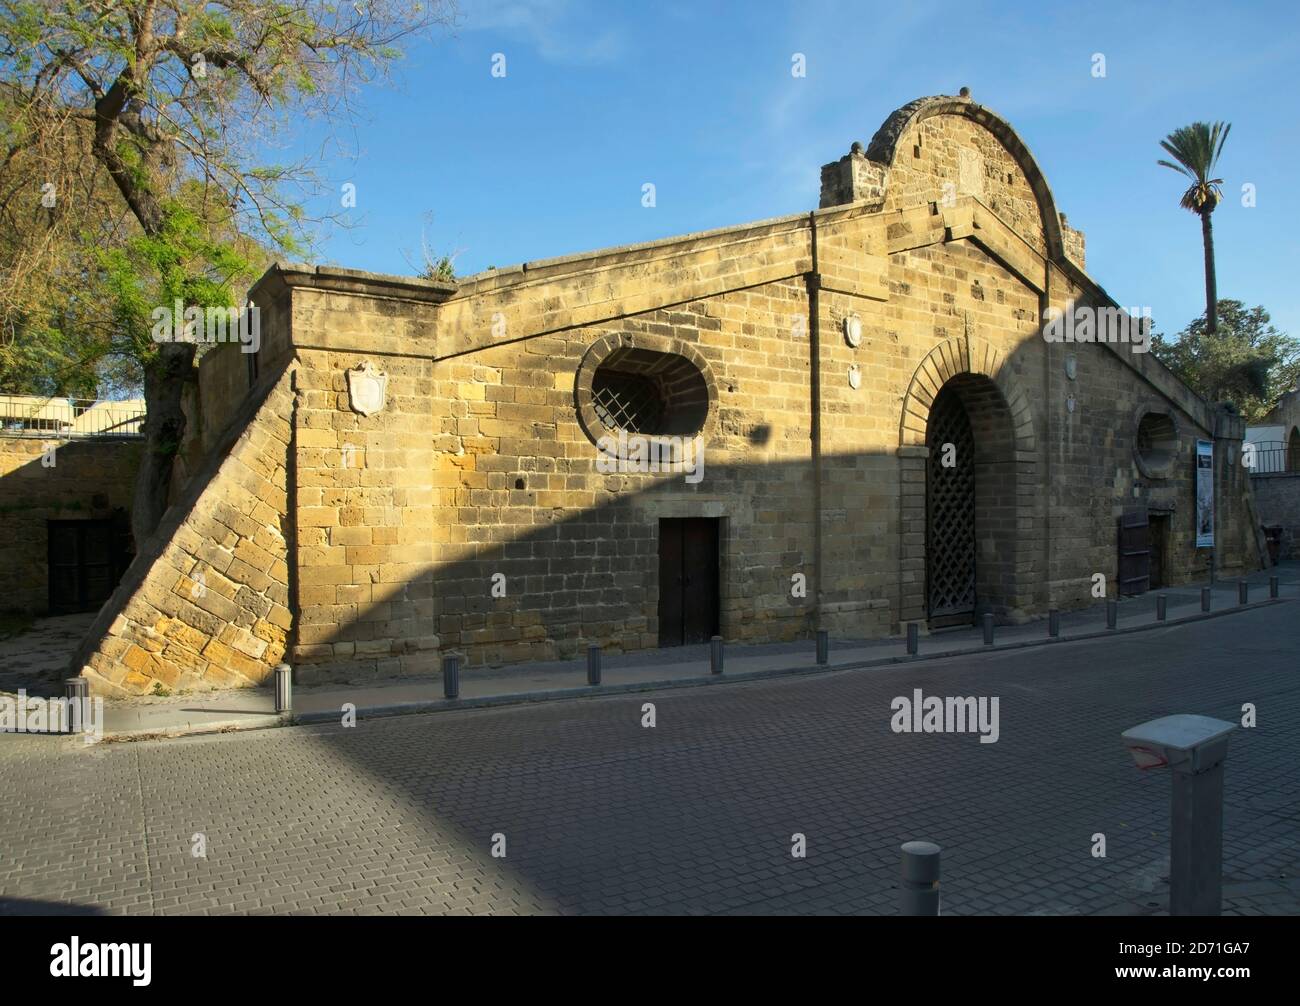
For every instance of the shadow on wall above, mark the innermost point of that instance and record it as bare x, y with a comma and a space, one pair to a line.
1022, 520
541, 583
65, 536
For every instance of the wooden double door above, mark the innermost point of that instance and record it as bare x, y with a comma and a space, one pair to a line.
86, 561
688, 580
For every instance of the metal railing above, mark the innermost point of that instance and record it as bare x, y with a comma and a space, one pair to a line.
37, 416
1273, 457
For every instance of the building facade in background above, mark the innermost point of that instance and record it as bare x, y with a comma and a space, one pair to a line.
67, 477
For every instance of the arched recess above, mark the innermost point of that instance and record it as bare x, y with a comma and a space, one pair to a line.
1005, 462
1293, 450
962, 355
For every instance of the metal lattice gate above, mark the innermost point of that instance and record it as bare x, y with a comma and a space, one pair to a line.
950, 512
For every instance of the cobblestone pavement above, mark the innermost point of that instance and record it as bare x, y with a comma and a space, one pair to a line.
602, 815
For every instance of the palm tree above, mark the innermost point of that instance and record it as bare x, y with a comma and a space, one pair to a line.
1196, 149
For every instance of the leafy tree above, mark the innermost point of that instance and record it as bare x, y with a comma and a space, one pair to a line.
1196, 149
1246, 361
133, 171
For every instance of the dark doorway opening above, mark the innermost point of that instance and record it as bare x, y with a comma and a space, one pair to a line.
688, 580
86, 561
950, 513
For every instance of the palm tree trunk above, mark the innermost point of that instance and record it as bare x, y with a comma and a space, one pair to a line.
1211, 285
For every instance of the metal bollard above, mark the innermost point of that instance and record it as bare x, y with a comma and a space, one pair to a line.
283, 688
1243, 592
1112, 614
715, 654
1194, 748
593, 663
913, 639
78, 693
1272, 586
451, 675
1162, 607
918, 894
1205, 598
1054, 623
988, 628
823, 646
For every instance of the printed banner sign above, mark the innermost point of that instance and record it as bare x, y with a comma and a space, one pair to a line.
1204, 494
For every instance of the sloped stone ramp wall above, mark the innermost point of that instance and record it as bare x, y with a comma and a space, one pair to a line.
205, 604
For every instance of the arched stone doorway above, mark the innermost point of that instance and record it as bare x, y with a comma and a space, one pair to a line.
970, 502
1293, 450
967, 545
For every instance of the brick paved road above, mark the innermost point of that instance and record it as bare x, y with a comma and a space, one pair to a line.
696, 815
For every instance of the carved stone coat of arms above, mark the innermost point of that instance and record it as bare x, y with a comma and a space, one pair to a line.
367, 389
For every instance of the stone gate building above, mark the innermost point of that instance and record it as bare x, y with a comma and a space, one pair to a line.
887, 436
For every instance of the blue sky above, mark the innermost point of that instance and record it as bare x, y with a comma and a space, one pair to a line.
698, 98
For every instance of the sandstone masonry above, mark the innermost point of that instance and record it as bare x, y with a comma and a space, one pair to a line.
812, 357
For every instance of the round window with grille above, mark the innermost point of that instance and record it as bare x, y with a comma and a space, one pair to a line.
635, 384
1155, 448
648, 392
630, 402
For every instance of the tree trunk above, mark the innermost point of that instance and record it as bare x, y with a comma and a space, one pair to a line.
165, 380
1211, 285
167, 375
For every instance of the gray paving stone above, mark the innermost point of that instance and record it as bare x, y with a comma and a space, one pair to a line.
695, 816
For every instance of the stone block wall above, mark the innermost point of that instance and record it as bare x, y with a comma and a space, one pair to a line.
517, 500
955, 310
87, 479
1277, 501
223, 385
853, 178
946, 157
1075, 244
363, 500
521, 493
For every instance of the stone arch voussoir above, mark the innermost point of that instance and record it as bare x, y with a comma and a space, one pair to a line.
947, 360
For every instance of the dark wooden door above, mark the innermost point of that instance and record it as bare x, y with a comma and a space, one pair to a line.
84, 565
1159, 545
688, 580
1134, 553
